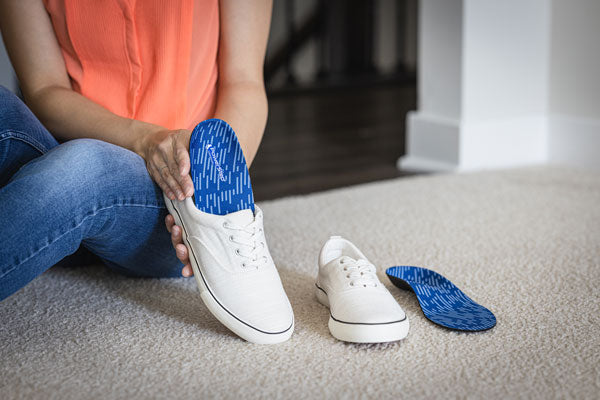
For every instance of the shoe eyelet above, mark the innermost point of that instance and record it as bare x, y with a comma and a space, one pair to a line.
243, 265
231, 238
351, 283
237, 251
225, 225
348, 276
345, 269
341, 261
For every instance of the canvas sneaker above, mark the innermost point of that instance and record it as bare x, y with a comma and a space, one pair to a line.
361, 308
234, 270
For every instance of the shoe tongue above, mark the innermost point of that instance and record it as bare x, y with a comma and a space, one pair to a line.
241, 218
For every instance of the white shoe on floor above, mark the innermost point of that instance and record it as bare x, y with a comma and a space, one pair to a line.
236, 275
361, 308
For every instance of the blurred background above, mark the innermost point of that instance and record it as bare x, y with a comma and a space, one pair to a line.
341, 76
363, 90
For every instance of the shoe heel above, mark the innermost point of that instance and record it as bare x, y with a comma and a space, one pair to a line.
321, 296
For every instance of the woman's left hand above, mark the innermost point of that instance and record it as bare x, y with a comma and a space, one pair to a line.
168, 161
180, 249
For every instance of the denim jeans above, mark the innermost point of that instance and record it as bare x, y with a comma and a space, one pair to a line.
55, 198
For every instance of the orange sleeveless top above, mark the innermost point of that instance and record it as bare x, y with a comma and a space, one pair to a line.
150, 60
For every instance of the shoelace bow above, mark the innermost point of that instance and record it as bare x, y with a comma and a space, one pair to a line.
252, 245
360, 272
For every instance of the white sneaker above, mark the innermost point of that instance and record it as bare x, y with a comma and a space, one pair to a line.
361, 308
236, 275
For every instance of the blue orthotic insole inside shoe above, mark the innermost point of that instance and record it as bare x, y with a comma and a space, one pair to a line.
441, 301
219, 170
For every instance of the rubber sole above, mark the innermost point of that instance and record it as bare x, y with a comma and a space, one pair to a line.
363, 333
233, 323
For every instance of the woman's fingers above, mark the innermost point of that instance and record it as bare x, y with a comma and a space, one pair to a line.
180, 249
176, 236
166, 176
168, 162
169, 222
159, 181
182, 253
187, 271
181, 156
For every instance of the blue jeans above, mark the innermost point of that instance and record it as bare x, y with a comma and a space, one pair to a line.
55, 198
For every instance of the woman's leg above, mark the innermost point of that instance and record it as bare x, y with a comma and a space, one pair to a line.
85, 192
22, 136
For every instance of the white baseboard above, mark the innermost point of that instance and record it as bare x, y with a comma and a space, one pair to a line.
574, 141
412, 163
444, 144
432, 143
504, 143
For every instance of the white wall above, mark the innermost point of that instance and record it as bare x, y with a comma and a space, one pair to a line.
527, 91
439, 77
505, 63
574, 98
575, 58
505, 83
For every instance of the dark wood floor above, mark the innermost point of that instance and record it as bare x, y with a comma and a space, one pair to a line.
326, 139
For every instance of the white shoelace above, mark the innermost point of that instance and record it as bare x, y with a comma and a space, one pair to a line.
360, 272
253, 247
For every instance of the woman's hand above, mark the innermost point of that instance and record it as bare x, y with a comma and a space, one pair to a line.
180, 249
168, 162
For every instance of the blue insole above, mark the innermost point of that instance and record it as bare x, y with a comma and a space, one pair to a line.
219, 170
441, 301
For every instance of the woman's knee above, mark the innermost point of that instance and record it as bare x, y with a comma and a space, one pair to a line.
100, 169
79, 163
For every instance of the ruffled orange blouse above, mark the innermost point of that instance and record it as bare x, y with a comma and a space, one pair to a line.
150, 60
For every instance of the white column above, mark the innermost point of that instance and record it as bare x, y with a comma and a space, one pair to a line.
574, 135
483, 85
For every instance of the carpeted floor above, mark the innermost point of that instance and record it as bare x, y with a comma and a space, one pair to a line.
525, 243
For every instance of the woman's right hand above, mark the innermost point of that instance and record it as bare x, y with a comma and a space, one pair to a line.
168, 161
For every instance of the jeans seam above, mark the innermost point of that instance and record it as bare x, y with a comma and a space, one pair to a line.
25, 138
75, 227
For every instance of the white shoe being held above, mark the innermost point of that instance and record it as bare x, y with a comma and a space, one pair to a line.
234, 270
361, 309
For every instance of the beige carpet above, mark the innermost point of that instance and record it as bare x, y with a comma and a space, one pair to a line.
525, 243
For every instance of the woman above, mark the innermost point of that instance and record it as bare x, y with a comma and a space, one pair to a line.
113, 90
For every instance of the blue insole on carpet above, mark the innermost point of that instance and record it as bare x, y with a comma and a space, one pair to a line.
219, 170
441, 301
